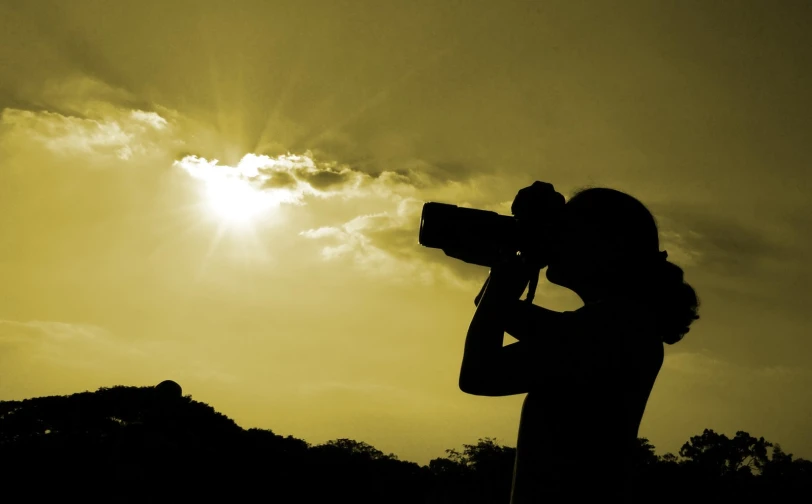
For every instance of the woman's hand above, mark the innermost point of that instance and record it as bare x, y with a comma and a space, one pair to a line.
482, 290
510, 276
488, 367
537, 208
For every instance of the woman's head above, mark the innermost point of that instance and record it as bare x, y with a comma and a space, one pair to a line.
607, 243
602, 230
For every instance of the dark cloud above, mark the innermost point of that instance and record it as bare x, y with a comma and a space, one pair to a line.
399, 177
325, 179
716, 248
758, 263
279, 180
732, 247
388, 244
722, 243
401, 242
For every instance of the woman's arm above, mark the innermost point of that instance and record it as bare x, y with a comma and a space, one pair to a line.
523, 318
483, 362
550, 343
527, 321
488, 367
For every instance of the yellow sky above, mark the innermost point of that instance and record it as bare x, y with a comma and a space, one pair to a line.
283, 283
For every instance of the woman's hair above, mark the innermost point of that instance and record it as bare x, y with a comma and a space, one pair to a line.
616, 218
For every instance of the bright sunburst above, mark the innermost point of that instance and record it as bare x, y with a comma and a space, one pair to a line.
236, 195
235, 201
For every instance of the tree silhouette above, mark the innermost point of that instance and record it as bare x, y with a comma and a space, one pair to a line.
357, 449
719, 455
644, 455
784, 469
481, 472
135, 444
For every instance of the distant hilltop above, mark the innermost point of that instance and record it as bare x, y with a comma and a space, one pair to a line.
127, 444
153, 444
108, 410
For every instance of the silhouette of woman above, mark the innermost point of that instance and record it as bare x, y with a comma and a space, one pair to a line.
587, 373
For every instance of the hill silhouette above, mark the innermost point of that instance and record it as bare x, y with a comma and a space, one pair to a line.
128, 444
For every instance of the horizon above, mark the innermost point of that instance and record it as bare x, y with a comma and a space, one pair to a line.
171, 389
229, 195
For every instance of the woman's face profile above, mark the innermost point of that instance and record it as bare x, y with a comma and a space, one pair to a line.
574, 249
560, 268
596, 240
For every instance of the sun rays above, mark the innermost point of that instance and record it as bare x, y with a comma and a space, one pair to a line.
240, 202
239, 195
237, 202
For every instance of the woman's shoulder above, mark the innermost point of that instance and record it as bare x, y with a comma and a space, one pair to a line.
622, 333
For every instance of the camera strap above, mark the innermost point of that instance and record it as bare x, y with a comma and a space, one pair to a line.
531, 287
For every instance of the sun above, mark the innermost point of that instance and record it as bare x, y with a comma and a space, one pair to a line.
235, 201
241, 196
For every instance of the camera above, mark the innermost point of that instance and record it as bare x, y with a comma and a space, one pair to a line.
483, 237
469, 234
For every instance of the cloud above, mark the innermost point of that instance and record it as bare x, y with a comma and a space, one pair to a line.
385, 245
717, 372
681, 246
280, 180
257, 183
88, 349
22, 333
100, 132
307, 175
752, 258
150, 118
734, 390
102, 126
58, 341
368, 397
88, 121
728, 252
79, 95
94, 124
725, 244
703, 389
70, 135
382, 242
361, 387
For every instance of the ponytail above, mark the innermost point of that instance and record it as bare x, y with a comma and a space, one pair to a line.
675, 301
615, 220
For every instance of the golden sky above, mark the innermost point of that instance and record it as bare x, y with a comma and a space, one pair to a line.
227, 194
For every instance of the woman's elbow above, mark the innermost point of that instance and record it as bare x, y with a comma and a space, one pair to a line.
491, 384
484, 389
466, 384
473, 384
467, 387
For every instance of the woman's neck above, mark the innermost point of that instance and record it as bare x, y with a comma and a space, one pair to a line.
592, 292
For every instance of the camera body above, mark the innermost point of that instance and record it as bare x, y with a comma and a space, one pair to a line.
475, 236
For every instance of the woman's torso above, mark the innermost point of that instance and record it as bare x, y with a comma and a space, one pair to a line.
576, 434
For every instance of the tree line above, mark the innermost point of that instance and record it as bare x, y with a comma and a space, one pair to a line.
127, 444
